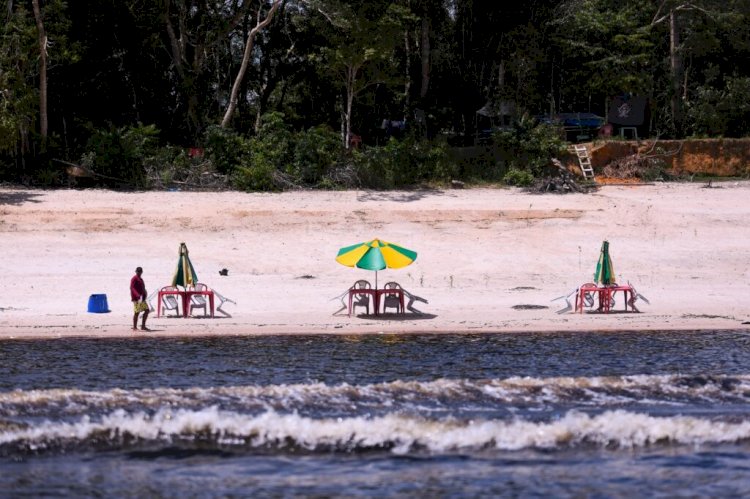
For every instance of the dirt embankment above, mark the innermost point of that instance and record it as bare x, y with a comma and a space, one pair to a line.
712, 157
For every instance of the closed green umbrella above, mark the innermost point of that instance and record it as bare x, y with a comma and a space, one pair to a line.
376, 255
605, 272
184, 275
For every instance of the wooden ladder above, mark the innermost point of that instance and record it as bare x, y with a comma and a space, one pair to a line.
585, 161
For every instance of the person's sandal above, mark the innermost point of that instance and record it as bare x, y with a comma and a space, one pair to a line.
144, 328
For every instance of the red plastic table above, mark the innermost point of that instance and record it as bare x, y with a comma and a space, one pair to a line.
605, 295
177, 292
185, 298
392, 291
191, 292
363, 291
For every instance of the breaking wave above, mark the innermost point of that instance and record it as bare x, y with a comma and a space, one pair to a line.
603, 392
394, 432
400, 416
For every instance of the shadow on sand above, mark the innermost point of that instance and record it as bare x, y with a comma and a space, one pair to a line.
611, 312
397, 317
18, 198
400, 196
216, 316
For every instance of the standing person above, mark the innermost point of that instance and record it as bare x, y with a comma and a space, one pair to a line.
138, 296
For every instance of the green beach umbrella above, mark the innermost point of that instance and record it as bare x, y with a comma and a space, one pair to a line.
376, 255
184, 275
605, 272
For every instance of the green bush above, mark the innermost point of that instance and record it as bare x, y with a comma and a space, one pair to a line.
167, 164
444, 168
255, 175
477, 163
267, 156
316, 151
277, 158
273, 143
48, 177
530, 146
371, 167
723, 111
429, 161
117, 155
403, 163
225, 148
519, 178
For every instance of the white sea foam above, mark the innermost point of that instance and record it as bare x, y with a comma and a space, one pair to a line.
593, 391
397, 432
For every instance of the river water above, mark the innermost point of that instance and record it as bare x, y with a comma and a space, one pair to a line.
533, 414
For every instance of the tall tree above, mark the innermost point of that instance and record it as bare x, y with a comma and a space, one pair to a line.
196, 32
262, 22
604, 50
32, 42
616, 47
685, 19
498, 53
361, 43
42, 36
18, 103
281, 64
418, 34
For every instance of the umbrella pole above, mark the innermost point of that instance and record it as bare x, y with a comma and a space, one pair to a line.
376, 279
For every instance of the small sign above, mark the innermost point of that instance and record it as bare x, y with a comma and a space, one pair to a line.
627, 110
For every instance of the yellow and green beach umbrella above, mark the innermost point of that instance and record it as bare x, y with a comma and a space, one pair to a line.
605, 272
376, 255
184, 275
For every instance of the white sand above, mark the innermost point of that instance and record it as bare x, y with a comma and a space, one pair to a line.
481, 251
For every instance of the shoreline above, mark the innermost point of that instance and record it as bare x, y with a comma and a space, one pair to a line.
481, 252
160, 335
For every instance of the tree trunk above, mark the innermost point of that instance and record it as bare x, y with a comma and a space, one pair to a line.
189, 46
342, 109
43, 126
246, 59
350, 90
258, 116
425, 58
178, 44
269, 82
407, 80
263, 96
675, 62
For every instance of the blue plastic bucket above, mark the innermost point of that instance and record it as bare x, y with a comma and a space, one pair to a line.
98, 304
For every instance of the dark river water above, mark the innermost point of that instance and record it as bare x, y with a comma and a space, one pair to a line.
535, 414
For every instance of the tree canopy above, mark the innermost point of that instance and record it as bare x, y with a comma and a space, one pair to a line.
70, 71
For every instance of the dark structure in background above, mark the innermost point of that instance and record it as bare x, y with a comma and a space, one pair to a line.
628, 114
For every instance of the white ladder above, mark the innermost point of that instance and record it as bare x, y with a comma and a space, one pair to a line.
584, 160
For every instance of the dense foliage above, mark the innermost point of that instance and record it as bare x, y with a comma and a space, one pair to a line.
341, 93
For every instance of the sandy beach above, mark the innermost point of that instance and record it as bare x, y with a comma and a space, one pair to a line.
490, 260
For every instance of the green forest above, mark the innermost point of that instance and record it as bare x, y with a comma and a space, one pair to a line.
283, 94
